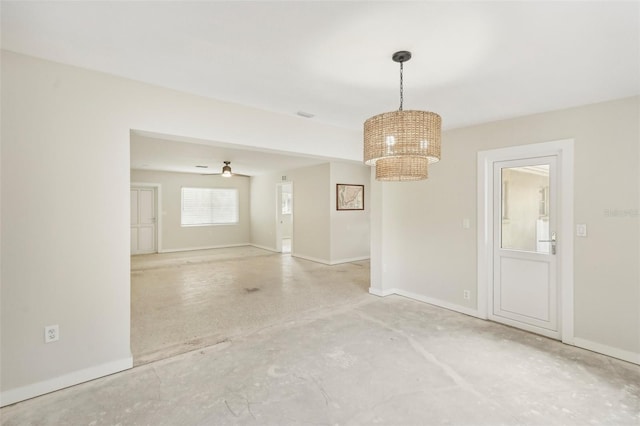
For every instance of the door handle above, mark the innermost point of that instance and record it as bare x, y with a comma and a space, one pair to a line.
552, 241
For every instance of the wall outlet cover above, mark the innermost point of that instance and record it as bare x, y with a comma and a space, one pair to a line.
51, 333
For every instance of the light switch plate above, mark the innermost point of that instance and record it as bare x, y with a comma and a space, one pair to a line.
581, 229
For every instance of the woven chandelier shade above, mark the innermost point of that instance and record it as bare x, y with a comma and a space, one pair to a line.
401, 169
402, 133
401, 144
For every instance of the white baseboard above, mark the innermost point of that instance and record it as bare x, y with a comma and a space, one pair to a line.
633, 357
352, 259
202, 248
330, 262
12, 396
264, 248
622, 354
441, 303
381, 293
313, 259
436, 302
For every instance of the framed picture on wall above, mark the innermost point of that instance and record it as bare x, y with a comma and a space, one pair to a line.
349, 197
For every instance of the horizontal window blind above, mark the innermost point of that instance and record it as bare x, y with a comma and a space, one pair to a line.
209, 206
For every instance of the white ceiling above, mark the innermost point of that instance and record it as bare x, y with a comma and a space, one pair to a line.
151, 151
473, 62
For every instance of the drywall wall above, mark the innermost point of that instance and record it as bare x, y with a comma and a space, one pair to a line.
425, 250
263, 210
65, 207
320, 233
177, 237
349, 228
311, 223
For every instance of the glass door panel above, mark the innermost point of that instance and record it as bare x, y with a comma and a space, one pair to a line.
525, 208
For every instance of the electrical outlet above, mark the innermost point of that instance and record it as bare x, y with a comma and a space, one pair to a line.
51, 333
466, 294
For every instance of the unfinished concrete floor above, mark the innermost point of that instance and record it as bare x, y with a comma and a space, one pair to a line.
188, 300
360, 360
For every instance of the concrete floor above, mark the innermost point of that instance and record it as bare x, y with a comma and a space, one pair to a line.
357, 359
188, 300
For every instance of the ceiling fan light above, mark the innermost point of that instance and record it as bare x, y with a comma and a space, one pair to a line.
226, 169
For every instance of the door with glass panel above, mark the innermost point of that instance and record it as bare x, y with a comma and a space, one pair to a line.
525, 285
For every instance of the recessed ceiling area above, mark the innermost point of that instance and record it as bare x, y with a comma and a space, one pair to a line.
153, 151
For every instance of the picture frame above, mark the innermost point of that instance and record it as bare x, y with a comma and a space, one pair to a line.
349, 197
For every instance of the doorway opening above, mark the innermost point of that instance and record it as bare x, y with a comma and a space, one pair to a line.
284, 217
525, 237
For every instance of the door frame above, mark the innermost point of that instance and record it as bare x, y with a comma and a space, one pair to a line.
158, 198
278, 233
564, 150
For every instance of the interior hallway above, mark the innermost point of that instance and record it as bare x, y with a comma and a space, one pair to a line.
312, 347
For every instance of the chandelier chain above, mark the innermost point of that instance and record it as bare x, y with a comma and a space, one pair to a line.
401, 84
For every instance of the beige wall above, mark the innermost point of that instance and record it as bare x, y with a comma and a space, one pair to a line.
311, 227
65, 207
263, 210
311, 224
320, 233
349, 229
426, 251
176, 237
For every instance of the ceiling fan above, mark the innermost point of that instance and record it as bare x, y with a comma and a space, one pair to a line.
226, 171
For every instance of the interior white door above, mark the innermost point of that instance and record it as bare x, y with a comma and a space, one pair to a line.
525, 279
143, 220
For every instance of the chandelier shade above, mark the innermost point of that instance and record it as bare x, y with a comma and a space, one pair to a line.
402, 133
402, 169
401, 144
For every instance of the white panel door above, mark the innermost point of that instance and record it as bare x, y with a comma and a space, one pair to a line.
525, 290
143, 220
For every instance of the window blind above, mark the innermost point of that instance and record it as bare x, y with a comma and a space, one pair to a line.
209, 206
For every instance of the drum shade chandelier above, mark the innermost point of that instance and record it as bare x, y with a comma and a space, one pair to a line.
401, 144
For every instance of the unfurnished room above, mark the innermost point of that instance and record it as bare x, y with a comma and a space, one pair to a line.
320, 212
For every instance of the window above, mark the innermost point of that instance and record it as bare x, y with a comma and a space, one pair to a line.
209, 206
